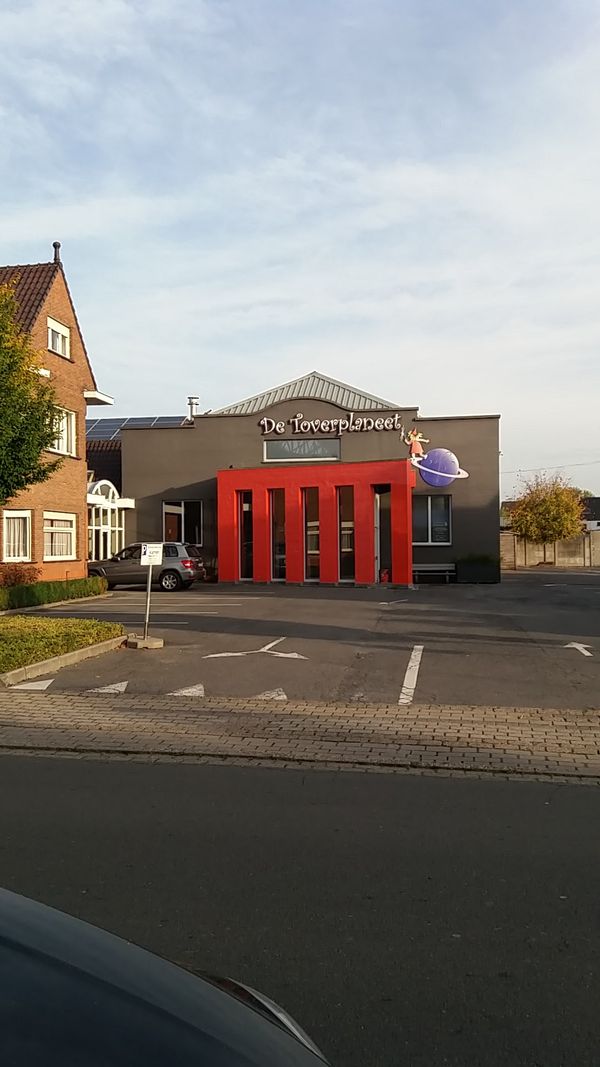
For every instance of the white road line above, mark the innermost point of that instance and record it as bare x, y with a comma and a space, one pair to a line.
34, 685
580, 647
189, 691
267, 649
118, 687
410, 678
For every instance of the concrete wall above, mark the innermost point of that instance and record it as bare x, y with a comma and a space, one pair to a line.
581, 551
180, 464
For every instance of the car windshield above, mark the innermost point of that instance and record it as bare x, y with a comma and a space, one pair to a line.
192, 550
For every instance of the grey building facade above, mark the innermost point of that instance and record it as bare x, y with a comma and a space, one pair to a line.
170, 466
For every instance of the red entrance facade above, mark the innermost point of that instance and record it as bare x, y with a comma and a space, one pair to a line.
316, 521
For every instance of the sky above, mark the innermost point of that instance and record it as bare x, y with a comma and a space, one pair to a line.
401, 194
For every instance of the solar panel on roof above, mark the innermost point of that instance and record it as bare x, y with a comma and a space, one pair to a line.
144, 422
170, 420
102, 433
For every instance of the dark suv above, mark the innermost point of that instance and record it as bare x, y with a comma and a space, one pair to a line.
181, 565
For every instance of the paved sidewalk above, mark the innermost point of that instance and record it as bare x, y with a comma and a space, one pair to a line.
500, 741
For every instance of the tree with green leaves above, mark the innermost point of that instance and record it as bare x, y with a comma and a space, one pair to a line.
548, 509
28, 413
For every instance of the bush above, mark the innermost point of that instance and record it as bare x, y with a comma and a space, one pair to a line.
30, 596
27, 639
17, 574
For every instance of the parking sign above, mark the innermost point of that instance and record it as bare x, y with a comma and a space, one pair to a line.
152, 554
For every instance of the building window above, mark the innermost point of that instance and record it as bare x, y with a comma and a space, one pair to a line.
16, 537
312, 546
183, 521
301, 450
346, 532
66, 433
59, 536
277, 500
59, 338
246, 535
432, 520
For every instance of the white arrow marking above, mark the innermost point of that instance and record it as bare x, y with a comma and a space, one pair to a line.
271, 694
118, 687
190, 691
34, 685
580, 648
267, 649
410, 678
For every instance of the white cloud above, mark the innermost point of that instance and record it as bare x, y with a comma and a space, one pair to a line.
251, 190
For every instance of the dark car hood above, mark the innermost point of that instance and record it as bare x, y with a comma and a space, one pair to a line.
71, 994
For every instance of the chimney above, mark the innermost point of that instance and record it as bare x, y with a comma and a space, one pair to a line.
56, 247
192, 402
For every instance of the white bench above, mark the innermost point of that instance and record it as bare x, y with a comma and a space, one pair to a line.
447, 570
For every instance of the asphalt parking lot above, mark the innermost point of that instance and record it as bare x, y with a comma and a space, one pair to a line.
532, 641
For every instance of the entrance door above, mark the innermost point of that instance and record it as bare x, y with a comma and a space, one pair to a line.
172, 523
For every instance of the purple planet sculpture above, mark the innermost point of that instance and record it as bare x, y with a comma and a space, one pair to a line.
439, 467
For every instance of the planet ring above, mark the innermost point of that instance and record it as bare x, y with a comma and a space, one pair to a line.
460, 473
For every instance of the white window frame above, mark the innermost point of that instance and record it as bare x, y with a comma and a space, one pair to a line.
435, 544
64, 344
10, 514
60, 515
301, 459
68, 428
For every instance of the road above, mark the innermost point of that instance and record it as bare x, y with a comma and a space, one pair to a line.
475, 645
403, 920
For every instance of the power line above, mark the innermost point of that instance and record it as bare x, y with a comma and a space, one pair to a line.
561, 466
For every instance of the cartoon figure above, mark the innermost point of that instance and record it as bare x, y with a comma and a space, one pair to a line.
415, 442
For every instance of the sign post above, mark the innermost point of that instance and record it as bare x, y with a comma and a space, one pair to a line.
151, 556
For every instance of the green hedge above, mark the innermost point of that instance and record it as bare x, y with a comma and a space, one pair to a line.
29, 596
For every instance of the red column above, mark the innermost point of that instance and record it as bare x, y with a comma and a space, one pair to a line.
294, 535
401, 519
364, 534
261, 535
329, 570
228, 543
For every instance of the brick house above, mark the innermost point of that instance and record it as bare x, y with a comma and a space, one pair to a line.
46, 525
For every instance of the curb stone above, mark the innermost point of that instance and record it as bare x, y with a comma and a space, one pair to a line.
48, 666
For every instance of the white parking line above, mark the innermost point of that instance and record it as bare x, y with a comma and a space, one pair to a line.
118, 687
410, 678
189, 691
34, 685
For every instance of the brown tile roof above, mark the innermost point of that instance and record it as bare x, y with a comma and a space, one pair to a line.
33, 280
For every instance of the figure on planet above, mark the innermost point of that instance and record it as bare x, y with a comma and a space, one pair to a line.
415, 441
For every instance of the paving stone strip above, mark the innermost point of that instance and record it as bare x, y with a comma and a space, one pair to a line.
501, 741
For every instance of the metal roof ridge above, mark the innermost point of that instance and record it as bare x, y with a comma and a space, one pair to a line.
302, 378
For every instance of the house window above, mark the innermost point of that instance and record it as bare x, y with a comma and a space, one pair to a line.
59, 338
66, 436
432, 520
59, 536
183, 520
16, 537
301, 450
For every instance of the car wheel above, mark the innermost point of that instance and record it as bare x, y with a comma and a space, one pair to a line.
169, 581
110, 585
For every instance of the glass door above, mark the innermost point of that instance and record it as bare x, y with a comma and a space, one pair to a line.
346, 532
312, 553
278, 535
246, 535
